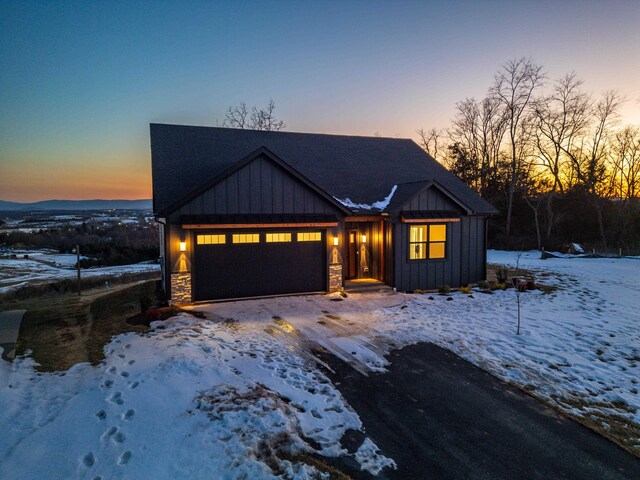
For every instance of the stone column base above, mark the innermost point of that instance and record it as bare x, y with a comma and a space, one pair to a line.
335, 277
181, 287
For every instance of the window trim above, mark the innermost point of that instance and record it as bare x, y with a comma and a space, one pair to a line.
427, 243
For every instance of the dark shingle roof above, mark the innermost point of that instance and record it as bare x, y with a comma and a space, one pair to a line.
363, 169
422, 214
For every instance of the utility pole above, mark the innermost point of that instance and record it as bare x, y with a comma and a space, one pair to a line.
78, 266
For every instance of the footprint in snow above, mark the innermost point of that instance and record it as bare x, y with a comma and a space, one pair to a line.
128, 415
122, 355
124, 374
118, 437
134, 385
131, 362
124, 458
116, 398
108, 433
108, 383
88, 460
111, 370
101, 414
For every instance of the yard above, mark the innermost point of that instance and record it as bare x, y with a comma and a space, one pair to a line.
242, 393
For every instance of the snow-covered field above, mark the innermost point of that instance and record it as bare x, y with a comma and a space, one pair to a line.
44, 266
224, 397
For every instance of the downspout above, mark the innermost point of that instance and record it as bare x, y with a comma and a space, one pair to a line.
163, 265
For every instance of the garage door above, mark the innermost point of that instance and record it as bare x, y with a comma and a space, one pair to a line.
234, 264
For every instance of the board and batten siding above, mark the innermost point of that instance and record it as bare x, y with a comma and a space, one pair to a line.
465, 260
260, 187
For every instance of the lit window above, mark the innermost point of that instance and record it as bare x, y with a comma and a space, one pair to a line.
278, 237
427, 241
309, 236
211, 239
246, 238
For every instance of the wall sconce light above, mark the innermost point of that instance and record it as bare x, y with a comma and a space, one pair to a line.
335, 241
183, 246
364, 239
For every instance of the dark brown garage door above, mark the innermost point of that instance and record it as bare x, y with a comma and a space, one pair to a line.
233, 264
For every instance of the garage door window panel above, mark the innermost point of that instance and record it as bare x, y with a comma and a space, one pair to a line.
246, 238
309, 236
211, 239
278, 237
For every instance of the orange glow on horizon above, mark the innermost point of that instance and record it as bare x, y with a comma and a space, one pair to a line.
24, 182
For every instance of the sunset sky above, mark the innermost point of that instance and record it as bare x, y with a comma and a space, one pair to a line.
81, 81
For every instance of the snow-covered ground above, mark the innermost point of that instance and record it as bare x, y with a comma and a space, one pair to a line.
44, 266
218, 397
579, 345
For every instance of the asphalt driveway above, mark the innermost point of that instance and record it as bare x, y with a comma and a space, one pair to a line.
440, 417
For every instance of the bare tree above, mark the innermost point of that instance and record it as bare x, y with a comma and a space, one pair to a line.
561, 117
626, 162
431, 141
257, 119
513, 87
236, 117
264, 119
625, 175
590, 156
479, 129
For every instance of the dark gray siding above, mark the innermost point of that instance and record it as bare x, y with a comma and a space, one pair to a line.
260, 187
465, 251
465, 262
431, 199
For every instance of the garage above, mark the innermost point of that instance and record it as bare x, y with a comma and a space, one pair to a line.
258, 262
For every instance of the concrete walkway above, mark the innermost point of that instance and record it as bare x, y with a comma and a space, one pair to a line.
440, 417
9, 328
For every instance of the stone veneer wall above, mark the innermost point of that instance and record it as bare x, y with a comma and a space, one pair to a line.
181, 287
335, 277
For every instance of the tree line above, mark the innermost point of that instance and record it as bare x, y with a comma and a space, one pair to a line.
553, 158
105, 244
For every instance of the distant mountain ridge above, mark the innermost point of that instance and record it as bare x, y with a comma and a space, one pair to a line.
145, 204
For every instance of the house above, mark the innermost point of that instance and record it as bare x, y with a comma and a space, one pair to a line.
248, 213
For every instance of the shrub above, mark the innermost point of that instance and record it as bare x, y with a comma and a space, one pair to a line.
444, 289
466, 289
484, 285
501, 274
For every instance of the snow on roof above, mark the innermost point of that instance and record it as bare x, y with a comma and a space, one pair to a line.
379, 205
